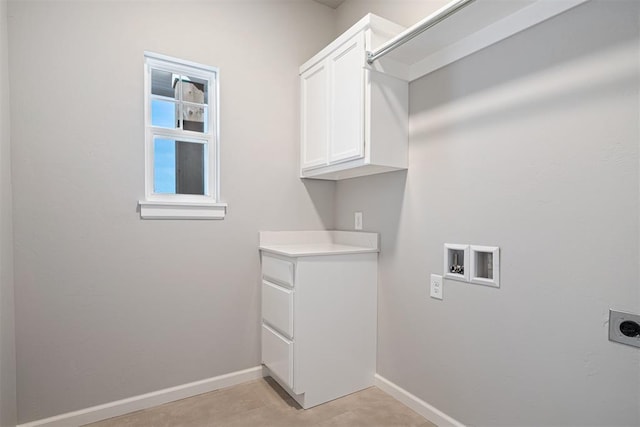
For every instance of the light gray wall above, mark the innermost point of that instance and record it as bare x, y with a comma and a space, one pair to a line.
110, 306
402, 12
530, 145
7, 331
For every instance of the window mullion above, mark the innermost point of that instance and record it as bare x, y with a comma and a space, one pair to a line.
155, 97
182, 134
178, 87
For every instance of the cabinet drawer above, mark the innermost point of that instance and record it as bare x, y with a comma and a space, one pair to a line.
277, 355
277, 270
277, 308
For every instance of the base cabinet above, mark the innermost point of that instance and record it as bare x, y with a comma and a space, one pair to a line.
319, 324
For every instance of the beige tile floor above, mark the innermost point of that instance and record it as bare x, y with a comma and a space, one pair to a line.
265, 403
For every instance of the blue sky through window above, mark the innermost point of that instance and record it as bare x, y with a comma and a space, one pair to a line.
164, 150
163, 114
164, 168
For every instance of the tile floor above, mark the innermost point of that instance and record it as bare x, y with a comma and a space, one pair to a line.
264, 403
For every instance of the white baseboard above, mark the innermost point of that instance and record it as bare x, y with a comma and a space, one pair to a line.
144, 401
431, 413
148, 400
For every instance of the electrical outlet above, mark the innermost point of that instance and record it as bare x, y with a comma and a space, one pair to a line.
436, 286
357, 220
624, 328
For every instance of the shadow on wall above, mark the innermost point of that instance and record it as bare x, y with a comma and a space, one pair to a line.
380, 198
317, 190
592, 28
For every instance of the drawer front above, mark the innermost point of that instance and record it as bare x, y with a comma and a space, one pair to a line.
277, 270
277, 355
277, 308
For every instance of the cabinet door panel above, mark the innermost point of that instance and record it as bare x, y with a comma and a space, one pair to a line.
314, 117
347, 101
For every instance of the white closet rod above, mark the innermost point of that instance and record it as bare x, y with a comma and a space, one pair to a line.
431, 20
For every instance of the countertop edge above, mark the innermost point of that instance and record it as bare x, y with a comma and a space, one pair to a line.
293, 254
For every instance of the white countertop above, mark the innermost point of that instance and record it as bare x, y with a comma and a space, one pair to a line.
315, 249
313, 243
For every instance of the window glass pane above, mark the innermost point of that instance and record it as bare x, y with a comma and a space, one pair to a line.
162, 83
206, 169
195, 117
190, 167
163, 114
194, 90
164, 166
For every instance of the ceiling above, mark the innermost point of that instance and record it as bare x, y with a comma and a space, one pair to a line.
331, 3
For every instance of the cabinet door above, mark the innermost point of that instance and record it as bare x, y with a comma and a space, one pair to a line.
314, 116
347, 101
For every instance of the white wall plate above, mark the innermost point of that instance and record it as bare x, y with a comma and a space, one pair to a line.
485, 265
436, 287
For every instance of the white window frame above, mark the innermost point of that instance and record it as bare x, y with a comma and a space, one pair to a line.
177, 206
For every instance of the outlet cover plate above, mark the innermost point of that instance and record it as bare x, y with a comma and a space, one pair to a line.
436, 286
615, 320
357, 220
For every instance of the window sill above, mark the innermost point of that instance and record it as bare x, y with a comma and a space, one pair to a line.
181, 210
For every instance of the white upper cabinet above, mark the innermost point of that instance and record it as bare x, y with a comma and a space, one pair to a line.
354, 120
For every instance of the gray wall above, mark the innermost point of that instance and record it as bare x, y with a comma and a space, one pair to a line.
402, 12
530, 145
7, 338
110, 306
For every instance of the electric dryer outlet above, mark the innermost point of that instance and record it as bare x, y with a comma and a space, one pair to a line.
624, 328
